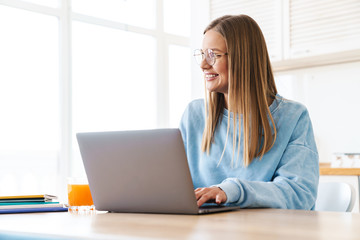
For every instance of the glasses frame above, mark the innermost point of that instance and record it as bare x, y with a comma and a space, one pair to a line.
209, 55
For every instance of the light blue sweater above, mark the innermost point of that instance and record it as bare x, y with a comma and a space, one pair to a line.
286, 177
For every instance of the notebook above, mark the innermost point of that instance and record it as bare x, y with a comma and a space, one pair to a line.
143, 171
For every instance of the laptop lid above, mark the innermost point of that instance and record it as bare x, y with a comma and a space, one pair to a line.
144, 171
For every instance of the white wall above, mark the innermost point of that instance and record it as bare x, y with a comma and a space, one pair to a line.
331, 94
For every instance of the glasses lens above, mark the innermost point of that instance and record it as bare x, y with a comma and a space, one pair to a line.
198, 56
210, 57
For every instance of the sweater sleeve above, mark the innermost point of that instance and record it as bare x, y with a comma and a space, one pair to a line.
295, 180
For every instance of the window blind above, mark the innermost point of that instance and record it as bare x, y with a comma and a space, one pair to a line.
296, 29
266, 13
323, 26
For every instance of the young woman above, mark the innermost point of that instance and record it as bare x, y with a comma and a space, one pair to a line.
247, 145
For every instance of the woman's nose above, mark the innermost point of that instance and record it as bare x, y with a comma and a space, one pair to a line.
204, 64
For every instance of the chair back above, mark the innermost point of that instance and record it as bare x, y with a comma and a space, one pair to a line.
335, 196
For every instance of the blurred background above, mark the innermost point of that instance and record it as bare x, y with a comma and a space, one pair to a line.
71, 66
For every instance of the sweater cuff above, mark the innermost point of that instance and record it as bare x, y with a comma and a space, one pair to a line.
232, 191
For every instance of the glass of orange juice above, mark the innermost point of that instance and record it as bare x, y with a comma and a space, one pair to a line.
79, 196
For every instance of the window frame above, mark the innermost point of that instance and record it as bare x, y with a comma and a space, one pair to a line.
65, 16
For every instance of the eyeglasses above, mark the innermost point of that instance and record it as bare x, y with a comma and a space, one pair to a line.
209, 56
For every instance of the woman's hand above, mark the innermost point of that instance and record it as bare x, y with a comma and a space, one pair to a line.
210, 194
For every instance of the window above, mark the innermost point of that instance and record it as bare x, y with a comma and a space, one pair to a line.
177, 17
114, 85
180, 82
48, 3
122, 11
29, 101
70, 66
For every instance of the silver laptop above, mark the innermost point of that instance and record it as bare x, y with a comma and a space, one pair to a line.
144, 171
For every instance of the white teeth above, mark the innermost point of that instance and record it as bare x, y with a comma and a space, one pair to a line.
211, 75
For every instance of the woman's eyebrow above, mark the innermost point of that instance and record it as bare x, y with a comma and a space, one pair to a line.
214, 49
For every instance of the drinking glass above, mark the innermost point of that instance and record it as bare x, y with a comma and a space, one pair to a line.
79, 195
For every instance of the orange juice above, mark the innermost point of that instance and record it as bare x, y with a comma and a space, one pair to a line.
79, 195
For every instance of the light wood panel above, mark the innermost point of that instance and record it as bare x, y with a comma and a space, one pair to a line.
243, 224
339, 171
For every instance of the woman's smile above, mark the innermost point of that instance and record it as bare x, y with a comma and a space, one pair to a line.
211, 76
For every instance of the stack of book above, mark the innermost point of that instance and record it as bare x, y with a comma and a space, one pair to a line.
30, 203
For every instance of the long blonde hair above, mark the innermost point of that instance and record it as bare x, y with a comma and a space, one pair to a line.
251, 88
